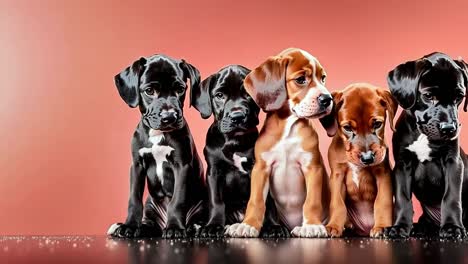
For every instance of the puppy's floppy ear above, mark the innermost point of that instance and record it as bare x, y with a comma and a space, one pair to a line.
267, 83
404, 81
464, 68
330, 122
389, 102
193, 74
128, 81
200, 98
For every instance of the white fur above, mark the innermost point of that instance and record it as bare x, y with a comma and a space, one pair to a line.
309, 231
238, 162
160, 152
287, 161
112, 229
266, 189
355, 173
241, 230
421, 148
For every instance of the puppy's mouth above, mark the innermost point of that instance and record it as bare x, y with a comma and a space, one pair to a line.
319, 114
158, 125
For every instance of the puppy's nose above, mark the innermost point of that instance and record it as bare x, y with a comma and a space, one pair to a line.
168, 117
367, 157
447, 128
237, 116
325, 100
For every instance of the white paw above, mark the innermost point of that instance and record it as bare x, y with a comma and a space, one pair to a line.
241, 230
309, 231
112, 229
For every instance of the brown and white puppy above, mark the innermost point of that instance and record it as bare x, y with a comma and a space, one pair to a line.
290, 88
360, 180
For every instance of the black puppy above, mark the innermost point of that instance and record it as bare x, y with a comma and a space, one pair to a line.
163, 150
229, 146
428, 159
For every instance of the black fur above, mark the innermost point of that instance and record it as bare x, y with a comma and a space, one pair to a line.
233, 132
157, 85
430, 90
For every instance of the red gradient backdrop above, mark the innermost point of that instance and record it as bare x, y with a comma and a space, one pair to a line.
65, 133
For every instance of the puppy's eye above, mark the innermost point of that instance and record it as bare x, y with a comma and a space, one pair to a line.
348, 128
219, 95
459, 98
324, 77
428, 96
180, 89
301, 80
377, 124
150, 91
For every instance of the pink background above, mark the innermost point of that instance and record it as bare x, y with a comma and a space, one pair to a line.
65, 133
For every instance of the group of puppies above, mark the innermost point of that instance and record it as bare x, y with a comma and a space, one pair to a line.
273, 183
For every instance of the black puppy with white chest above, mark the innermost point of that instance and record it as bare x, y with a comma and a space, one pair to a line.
163, 150
229, 146
429, 161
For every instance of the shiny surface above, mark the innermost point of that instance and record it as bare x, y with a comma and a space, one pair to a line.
100, 249
64, 131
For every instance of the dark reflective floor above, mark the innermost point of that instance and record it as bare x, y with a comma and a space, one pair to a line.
43, 249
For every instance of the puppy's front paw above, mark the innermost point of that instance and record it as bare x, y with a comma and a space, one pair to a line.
397, 232
452, 232
275, 231
377, 232
309, 231
334, 230
120, 230
212, 231
174, 233
241, 230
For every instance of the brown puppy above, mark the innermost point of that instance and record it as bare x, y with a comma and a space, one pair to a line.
360, 180
290, 88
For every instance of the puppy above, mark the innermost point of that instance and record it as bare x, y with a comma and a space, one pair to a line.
163, 151
360, 180
428, 159
290, 88
229, 145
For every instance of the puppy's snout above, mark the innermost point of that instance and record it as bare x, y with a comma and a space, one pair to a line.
325, 100
367, 157
168, 117
447, 128
237, 116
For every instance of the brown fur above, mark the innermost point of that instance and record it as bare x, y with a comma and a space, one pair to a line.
283, 69
358, 105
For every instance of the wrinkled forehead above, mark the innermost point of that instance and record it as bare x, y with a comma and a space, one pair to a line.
361, 104
161, 69
303, 61
443, 77
230, 79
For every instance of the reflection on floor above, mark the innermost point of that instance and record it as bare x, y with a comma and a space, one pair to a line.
99, 249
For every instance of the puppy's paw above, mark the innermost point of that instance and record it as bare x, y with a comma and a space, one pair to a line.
275, 231
334, 230
377, 232
120, 230
396, 232
241, 230
452, 232
309, 231
212, 231
174, 233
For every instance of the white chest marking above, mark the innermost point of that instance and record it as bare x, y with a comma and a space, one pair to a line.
287, 162
238, 162
421, 148
355, 173
159, 152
